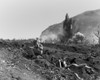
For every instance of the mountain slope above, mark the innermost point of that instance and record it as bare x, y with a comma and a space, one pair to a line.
88, 23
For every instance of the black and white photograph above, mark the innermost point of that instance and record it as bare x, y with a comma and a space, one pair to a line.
49, 39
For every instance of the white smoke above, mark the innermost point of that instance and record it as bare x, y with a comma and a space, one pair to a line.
78, 37
49, 38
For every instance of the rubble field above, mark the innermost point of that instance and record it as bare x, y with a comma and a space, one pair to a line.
25, 60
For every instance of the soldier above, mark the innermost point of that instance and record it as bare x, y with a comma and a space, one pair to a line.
38, 48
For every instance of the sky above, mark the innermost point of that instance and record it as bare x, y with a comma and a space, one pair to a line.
23, 19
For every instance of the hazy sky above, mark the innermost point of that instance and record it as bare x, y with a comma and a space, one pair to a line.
28, 18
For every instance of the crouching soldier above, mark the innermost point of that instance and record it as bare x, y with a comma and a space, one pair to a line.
38, 48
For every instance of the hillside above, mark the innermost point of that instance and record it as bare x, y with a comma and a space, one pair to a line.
87, 23
21, 60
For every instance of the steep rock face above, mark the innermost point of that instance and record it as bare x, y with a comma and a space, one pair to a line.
87, 23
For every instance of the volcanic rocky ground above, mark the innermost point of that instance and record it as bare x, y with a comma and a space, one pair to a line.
19, 61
